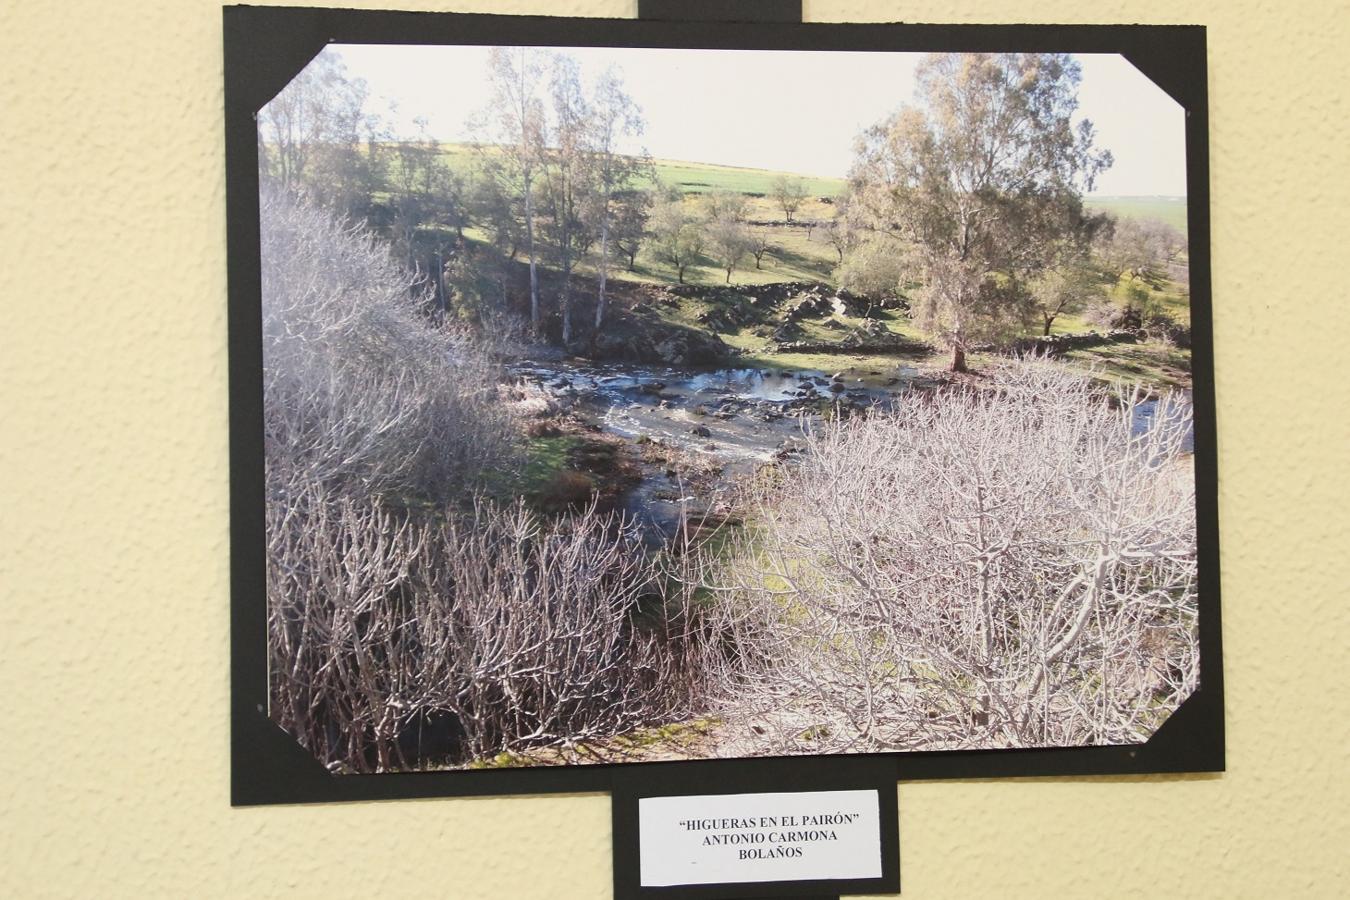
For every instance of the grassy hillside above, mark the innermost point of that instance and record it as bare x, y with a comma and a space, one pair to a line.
805, 254
798, 253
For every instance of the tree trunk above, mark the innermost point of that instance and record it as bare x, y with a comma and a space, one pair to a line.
728, 276
1049, 320
566, 242
534, 273
958, 358
604, 269
567, 318
566, 300
443, 300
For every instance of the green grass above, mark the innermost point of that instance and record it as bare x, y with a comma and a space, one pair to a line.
1149, 363
1171, 210
873, 368
693, 177
545, 459
794, 256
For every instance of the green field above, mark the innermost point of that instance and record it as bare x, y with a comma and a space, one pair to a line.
695, 178
1171, 210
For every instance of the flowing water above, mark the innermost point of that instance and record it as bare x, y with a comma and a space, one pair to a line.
735, 419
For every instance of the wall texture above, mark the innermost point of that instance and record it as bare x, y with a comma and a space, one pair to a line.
113, 768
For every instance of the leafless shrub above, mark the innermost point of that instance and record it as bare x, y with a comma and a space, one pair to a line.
1105, 313
361, 391
510, 631
1001, 568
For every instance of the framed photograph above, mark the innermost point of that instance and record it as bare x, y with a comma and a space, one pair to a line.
638, 393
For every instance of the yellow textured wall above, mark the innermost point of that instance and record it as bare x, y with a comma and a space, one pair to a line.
113, 554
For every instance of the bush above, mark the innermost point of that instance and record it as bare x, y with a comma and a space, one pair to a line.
1160, 325
361, 392
1002, 568
1105, 314
396, 642
873, 268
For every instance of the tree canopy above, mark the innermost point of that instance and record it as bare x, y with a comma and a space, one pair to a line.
979, 178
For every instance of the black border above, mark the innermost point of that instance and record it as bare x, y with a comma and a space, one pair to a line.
264, 47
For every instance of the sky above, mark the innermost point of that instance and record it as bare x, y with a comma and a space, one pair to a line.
790, 111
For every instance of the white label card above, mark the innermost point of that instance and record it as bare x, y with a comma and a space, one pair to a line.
733, 838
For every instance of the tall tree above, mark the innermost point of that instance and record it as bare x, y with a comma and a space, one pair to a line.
789, 193
568, 176
517, 127
615, 118
979, 178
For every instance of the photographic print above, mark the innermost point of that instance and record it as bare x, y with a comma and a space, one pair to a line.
639, 404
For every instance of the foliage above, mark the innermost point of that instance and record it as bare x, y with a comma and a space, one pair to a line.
1141, 248
788, 193
978, 179
728, 241
630, 223
1067, 288
874, 266
677, 234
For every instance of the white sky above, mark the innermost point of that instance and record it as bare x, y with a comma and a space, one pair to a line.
792, 111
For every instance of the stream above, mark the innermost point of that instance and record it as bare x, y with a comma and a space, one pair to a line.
732, 419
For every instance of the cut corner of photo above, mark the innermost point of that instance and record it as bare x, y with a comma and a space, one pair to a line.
571, 430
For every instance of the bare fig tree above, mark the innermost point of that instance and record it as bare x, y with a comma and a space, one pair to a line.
1011, 567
